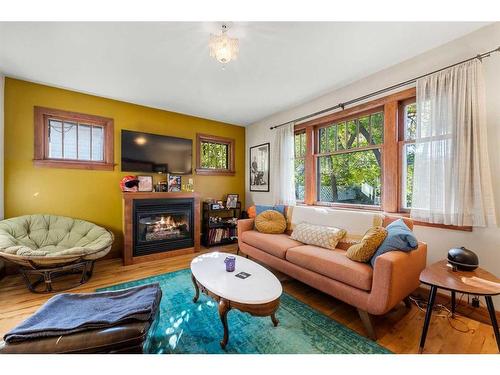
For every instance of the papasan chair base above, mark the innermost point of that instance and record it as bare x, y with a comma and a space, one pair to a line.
34, 278
49, 247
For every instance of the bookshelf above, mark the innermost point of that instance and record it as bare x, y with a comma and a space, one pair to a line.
220, 225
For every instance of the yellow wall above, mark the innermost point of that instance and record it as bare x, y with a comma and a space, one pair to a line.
95, 195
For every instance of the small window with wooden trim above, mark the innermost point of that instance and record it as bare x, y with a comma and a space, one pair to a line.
349, 160
406, 140
299, 165
66, 139
214, 155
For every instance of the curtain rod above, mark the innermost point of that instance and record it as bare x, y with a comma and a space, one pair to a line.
384, 90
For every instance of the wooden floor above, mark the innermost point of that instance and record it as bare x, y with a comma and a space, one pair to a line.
399, 330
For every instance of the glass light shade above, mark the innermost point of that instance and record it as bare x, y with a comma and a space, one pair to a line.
223, 48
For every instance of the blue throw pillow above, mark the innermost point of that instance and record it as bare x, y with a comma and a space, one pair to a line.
399, 238
261, 208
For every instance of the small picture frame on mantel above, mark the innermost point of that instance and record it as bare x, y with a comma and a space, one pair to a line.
145, 183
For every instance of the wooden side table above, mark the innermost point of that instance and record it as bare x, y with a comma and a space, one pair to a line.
439, 275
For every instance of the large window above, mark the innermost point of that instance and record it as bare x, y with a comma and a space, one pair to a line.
300, 153
73, 140
349, 161
361, 157
214, 155
407, 133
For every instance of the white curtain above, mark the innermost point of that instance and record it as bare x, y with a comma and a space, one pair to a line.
283, 165
452, 182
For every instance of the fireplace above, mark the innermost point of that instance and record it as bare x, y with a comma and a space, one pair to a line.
160, 225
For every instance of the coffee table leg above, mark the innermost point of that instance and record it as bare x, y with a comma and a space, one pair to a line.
493, 317
196, 288
274, 319
428, 314
223, 310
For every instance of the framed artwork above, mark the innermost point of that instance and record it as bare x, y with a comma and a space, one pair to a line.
259, 167
232, 201
145, 183
174, 183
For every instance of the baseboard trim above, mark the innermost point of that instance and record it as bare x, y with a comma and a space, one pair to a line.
476, 313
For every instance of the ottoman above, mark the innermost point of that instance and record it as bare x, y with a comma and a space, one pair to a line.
127, 338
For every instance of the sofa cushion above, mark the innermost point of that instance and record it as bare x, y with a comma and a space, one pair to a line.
363, 251
274, 244
318, 235
333, 264
399, 238
260, 208
271, 222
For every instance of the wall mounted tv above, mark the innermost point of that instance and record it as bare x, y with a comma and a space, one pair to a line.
153, 153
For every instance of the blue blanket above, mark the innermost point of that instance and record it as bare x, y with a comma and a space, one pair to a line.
68, 313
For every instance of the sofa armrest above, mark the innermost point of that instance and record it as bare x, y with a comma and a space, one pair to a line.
395, 275
245, 225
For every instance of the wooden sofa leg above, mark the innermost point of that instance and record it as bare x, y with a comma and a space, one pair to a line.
367, 322
407, 302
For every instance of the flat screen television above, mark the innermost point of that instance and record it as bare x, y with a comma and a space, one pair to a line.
154, 153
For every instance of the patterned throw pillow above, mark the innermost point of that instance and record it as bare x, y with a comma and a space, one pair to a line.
318, 235
363, 251
271, 222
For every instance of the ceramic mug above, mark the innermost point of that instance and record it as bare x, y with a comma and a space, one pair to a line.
230, 263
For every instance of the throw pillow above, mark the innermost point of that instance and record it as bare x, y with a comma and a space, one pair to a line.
363, 251
261, 208
399, 238
251, 211
271, 222
318, 235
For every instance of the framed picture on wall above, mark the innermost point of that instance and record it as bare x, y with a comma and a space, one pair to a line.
145, 183
259, 167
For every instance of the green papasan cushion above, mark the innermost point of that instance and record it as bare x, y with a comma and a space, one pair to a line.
52, 236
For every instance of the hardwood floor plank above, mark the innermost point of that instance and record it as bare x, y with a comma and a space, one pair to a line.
399, 330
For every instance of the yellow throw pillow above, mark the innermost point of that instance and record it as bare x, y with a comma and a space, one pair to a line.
318, 235
363, 251
270, 221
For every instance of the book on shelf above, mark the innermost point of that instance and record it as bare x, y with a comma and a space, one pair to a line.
216, 235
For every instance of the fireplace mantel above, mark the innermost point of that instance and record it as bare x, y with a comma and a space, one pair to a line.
128, 225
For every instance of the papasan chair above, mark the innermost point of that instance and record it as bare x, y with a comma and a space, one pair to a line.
47, 246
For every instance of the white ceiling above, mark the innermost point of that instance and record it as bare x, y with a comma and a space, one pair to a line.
167, 65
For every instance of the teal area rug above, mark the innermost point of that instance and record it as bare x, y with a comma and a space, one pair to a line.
187, 327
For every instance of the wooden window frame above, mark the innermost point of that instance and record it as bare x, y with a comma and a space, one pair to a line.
391, 149
41, 158
229, 142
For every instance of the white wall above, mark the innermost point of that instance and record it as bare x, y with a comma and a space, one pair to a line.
484, 241
2, 82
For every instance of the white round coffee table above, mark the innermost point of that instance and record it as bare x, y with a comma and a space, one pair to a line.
257, 294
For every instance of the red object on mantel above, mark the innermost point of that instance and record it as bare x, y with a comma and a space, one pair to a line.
129, 183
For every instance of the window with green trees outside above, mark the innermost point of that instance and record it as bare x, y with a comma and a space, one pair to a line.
408, 161
349, 161
300, 153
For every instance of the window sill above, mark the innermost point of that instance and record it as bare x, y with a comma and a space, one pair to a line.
432, 225
71, 164
214, 172
343, 206
393, 214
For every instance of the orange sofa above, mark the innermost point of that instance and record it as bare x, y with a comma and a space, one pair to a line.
371, 290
